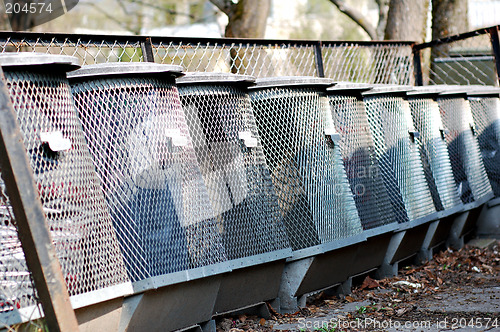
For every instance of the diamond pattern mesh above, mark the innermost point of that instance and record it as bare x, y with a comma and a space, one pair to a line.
466, 162
237, 177
360, 161
306, 167
390, 122
486, 115
373, 63
261, 60
434, 153
17, 293
69, 189
140, 144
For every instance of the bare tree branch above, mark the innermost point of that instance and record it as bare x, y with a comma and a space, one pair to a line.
226, 6
383, 9
171, 12
120, 23
356, 16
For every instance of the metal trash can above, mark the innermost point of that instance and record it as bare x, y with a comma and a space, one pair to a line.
466, 161
140, 144
69, 188
229, 151
397, 151
301, 148
359, 155
433, 149
485, 106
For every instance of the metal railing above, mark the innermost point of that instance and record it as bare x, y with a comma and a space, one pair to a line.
368, 62
466, 59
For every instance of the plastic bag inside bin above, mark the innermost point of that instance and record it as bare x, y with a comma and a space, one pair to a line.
486, 115
433, 150
141, 146
358, 152
75, 209
235, 172
466, 160
306, 166
398, 154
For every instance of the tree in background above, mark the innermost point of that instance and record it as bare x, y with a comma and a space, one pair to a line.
247, 18
407, 19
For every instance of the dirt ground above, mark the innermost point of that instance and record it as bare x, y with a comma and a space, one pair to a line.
456, 291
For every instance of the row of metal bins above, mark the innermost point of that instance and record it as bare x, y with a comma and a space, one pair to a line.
166, 188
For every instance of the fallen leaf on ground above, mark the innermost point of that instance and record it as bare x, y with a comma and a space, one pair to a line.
369, 283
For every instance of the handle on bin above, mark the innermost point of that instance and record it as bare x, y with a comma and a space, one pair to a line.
473, 129
56, 141
332, 134
444, 132
248, 139
177, 138
413, 135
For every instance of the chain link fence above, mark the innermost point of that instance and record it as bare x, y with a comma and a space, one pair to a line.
368, 62
383, 62
465, 59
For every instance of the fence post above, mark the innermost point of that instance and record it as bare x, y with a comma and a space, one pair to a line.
417, 66
32, 228
147, 50
319, 59
495, 46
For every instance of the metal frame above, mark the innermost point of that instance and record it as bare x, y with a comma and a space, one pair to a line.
146, 44
494, 40
32, 227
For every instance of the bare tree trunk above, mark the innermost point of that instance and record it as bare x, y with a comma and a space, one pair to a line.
407, 20
449, 17
357, 17
383, 9
248, 19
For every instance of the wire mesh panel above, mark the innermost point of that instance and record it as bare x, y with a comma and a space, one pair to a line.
397, 151
88, 49
258, 59
71, 195
485, 107
296, 128
463, 59
463, 148
390, 63
433, 150
18, 296
140, 144
229, 152
358, 152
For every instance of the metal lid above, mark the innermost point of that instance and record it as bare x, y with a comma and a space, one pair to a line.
450, 90
16, 60
125, 68
288, 81
350, 87
430, 91
204, 77
392, 89
483, 91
